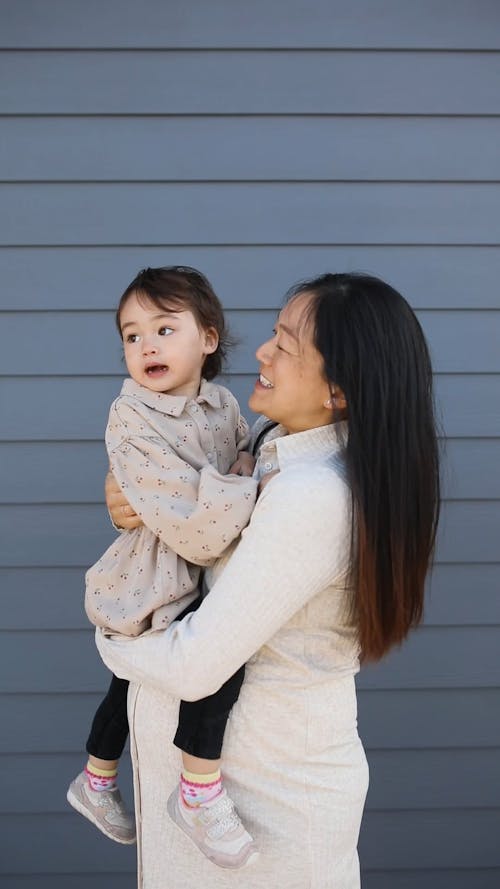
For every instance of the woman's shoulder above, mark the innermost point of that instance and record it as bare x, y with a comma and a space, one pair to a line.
313, 476
308, 491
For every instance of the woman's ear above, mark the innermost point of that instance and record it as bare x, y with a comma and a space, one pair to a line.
211, 340
337, 400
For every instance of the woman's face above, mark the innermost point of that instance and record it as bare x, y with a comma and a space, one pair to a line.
291, 388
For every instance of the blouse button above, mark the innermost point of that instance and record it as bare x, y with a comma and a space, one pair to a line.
268, 466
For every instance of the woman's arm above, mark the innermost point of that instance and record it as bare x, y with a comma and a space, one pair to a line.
297, 543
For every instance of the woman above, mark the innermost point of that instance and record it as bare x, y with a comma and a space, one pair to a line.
330, 568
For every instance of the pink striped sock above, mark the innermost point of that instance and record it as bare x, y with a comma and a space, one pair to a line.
196, 790
100, 782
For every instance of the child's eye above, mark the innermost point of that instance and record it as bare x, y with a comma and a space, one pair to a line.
165, 331
132, 338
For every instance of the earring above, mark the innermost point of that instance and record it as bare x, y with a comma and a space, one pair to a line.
328, 403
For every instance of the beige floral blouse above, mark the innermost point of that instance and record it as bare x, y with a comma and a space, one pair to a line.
170, 455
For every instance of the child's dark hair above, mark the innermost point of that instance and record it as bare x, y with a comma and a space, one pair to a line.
178, 288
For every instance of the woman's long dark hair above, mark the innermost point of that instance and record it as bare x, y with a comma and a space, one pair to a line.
374, 349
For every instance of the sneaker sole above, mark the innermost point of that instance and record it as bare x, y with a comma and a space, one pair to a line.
80, 808
251, 859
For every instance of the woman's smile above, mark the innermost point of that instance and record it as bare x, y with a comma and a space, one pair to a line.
263, 381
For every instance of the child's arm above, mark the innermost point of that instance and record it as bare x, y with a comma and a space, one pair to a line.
196, 513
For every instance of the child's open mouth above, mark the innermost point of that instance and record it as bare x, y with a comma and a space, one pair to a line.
156, 370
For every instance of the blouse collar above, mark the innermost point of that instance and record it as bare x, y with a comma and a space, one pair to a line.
173, 405
321, 443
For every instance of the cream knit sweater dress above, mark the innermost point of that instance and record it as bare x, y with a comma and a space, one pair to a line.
292, 759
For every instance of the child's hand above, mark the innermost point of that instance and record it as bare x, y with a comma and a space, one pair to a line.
122, 514
244, 464
266, 479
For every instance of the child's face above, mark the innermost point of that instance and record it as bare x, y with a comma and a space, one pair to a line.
164, 351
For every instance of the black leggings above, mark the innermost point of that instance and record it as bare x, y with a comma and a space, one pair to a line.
201, 725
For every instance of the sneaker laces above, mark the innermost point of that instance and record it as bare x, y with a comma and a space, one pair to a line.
110, 799
224, 818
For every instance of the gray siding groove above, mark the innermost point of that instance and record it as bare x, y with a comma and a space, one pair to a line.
260, 181
132, 115
146, 245
250, 50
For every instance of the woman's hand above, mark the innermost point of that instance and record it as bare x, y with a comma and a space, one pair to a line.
122, 514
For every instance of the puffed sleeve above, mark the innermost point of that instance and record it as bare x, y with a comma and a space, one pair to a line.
197, 513
297, 544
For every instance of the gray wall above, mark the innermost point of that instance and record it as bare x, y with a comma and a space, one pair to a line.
262, 142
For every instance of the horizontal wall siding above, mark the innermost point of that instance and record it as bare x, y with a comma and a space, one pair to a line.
473, 878
75, 408
27, 473
70, 881
458, 595
447, 24
434, 657
67, 535
168, 148
64, 278
401, 879
444, 878
243, 82
276, 213
450, 354
444, 836
430, 775
262, 143
390, 719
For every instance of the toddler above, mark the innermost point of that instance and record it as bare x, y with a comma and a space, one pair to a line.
176, 445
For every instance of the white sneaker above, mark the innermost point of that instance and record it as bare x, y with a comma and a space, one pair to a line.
216, 829
104, 808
